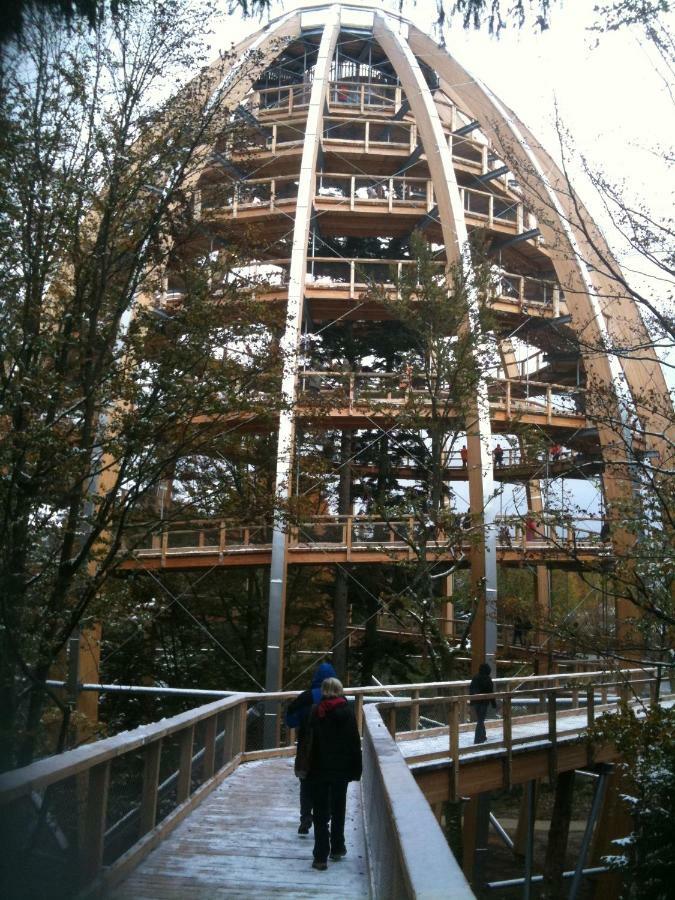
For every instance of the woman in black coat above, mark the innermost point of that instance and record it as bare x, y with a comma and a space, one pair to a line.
334, 761
481, 684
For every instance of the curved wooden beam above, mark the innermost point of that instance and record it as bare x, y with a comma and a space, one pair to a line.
482, 495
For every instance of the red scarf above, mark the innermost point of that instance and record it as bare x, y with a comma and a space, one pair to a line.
328, 704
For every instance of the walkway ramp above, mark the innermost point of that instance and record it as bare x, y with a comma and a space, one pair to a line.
191, 807
242, 842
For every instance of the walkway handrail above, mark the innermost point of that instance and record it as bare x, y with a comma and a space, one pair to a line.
93, 763
407, 851
187, 733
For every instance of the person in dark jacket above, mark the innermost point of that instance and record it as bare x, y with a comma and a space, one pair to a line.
297, 716
334, 761
481, 684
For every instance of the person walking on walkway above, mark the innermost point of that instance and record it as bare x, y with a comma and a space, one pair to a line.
481, 684
297, 716
334, 761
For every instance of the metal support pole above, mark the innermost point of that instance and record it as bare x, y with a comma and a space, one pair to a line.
494, 821
289, 347
529, 843
598, 797
482, 830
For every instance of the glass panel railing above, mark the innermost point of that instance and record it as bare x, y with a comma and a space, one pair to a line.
466, 150
508, 286
476, 203
324, 272
344, 92
535, 291
506, 210
258, 193
386, 133
321, 533
285, 189
339, 130
335, 186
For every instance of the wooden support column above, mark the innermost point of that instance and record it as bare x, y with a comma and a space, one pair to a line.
611, 378
88, 673
520, 840
543, 661
615, 822
475, 837
482, 496
558, 834
448, 607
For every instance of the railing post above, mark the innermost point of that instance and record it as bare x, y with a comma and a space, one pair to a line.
508, 399
508, 741
391, 721
590, 705
210, 747
94, 821
652, 690
552, 735
352, 278
415, 711
352, 191
243, 718
358, 712
153, 755
549, 404
184, 764
453, 733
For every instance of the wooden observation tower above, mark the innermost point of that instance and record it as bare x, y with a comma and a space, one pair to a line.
362, 131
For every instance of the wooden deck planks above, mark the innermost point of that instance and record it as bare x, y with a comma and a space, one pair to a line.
242, 842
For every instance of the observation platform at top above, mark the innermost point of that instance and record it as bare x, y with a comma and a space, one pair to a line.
210, 814
326, 540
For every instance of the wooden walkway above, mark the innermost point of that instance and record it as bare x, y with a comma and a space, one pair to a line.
242, 842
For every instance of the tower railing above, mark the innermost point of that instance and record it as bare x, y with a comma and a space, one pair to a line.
353, 192
360, 532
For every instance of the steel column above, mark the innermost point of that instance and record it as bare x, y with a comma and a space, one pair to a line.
289, 348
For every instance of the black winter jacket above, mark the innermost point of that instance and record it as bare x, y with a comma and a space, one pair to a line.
482, 684
336, 745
